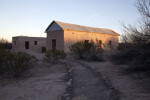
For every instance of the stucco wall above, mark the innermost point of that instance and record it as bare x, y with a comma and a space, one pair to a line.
71, 37
59, 36
20, 43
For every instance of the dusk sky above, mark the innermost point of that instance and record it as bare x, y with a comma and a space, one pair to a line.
32, 17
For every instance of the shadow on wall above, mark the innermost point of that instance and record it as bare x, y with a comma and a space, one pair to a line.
109, 44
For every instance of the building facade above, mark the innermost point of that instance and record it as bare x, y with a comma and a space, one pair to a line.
23, 43
62, 35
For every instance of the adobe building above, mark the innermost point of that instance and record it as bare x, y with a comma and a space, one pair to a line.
62, 35
23, 43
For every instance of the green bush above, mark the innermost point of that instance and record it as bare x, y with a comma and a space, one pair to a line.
87, 50
54, 55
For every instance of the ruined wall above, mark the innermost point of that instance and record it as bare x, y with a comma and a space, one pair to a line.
71, 37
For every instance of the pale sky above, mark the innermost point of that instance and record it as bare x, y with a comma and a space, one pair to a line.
32, 17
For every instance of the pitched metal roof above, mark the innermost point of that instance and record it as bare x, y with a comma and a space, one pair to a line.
68, 26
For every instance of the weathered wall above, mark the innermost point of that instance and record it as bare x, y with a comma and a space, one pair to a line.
59, 36
20, 43
71, 37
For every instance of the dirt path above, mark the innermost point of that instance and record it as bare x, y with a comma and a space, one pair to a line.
87, 85
129, 86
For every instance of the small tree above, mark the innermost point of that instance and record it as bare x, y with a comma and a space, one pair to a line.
139, 35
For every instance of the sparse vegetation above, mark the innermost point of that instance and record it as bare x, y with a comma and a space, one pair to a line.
53, 56
5, 44
135, 47
89, 50
14, 63
17, 62
2, 55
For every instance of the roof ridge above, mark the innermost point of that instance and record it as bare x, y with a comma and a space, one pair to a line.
81, 25
70, 26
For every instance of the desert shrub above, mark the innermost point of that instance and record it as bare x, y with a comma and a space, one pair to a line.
54, 55
124, 57
87, 50
5, 44
125, 46
136, 58
140, 62
135, 47
15, 63
43, 49
80, 49
2, 56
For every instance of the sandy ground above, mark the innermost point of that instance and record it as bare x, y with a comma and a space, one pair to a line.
46, 83
39, 56
130, 87
87, 85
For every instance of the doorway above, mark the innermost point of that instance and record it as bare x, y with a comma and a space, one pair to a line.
53, 43
26, 44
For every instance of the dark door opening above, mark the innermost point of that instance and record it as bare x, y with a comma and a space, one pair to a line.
53, 43
100, 43
86, 41
110, 42
27, 45
35, 42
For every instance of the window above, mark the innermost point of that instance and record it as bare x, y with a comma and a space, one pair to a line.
26, 44
53, 43
86, 41
15, 42
35, 42
110, 42
100, 42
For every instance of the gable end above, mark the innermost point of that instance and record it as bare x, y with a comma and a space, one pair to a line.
53, 27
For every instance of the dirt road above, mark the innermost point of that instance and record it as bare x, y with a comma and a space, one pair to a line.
87, 85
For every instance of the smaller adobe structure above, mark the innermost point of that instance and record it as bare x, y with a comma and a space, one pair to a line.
23, 43
62, 35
